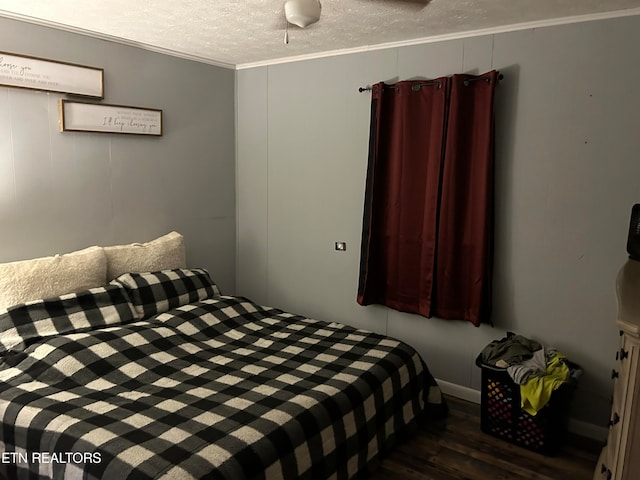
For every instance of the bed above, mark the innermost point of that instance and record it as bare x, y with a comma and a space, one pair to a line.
157, 375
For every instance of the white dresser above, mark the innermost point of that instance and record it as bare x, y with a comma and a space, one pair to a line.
620, 457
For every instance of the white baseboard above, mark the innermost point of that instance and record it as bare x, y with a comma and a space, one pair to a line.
458, 391
588, 430
578, 427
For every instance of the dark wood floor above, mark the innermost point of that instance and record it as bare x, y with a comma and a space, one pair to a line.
455, 448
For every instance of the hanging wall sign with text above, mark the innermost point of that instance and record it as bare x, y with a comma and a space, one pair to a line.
103, 118
21, 71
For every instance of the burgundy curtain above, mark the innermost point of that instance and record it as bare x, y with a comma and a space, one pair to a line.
428, 214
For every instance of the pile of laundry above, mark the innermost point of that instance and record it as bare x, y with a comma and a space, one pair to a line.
538, 370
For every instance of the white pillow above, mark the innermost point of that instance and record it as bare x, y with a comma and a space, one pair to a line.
45, 277
163, 253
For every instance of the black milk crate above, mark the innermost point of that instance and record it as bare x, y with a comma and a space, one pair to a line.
502, 416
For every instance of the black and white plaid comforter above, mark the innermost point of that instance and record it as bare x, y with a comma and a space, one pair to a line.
220, 388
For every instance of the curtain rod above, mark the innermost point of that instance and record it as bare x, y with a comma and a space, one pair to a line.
466, 83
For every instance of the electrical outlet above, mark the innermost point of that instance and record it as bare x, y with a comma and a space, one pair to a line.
341, 246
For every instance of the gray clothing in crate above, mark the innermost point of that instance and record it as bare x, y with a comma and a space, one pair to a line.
510, 350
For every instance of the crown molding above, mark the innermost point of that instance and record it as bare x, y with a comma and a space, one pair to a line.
114, 39
331, 53
449, 36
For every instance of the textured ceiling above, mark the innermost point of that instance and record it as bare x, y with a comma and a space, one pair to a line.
241, 33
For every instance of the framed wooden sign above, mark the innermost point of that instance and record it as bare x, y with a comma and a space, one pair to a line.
105, 118
21, 71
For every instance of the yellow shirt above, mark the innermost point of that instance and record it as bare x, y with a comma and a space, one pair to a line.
536, 392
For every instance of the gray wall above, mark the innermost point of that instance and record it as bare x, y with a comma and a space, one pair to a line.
65, 191
568, 173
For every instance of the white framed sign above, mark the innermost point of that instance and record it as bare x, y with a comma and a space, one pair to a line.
22, 71
105, 118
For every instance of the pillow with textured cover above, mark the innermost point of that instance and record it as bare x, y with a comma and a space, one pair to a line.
23, 324
157, 292
45, 277
163, 253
